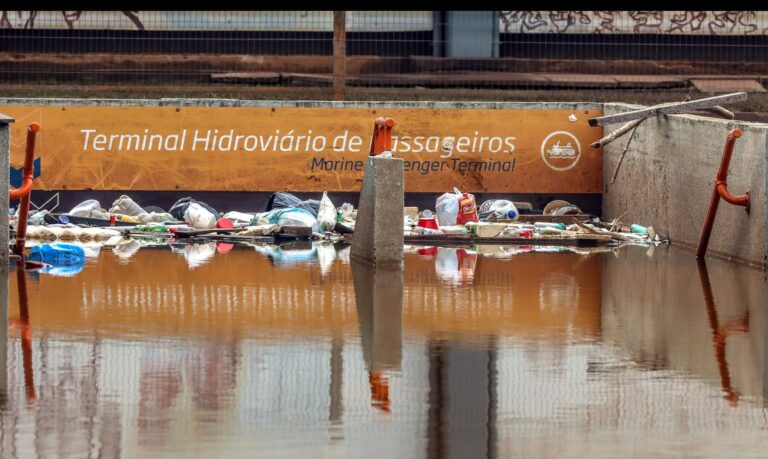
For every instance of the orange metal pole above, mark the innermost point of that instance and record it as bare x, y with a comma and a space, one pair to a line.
382, 135
721, 191
25, 191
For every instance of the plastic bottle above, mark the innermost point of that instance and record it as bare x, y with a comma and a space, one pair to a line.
637, 229
427, 231
560, 226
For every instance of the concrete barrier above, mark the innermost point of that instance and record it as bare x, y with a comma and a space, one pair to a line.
668, 174
378, 237
5, 164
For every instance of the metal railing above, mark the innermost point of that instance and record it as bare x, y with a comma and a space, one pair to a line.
261, 51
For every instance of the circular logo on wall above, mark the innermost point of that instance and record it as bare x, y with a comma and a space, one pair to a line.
561, 151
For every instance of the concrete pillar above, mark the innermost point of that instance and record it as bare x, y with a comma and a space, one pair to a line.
378, 237
379, 298
467, 33
5, 154
5, 166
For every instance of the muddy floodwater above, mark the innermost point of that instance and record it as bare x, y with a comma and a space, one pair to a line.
221, 351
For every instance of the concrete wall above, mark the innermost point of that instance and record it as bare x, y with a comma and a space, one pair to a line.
668, 174
5, 164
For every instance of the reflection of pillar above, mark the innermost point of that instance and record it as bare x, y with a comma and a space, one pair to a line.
379, 297
462, 400
337, 371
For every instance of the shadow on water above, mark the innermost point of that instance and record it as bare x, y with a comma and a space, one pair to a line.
463, 353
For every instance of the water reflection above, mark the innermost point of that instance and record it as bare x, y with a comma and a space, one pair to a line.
379, 298
534, 354
720, 333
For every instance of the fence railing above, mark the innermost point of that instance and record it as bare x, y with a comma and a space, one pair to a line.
707, 51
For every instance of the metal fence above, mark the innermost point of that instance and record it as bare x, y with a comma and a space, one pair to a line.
292, 52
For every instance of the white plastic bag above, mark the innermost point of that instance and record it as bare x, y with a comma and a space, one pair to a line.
326, 214
124, 205
199, 217
291, 216
447, 208
84, 208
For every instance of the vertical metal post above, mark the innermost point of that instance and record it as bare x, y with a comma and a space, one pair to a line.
339, 54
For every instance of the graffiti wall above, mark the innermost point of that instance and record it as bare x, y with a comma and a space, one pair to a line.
636, 22
294, 21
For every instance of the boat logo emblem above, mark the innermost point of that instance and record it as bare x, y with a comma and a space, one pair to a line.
561, 151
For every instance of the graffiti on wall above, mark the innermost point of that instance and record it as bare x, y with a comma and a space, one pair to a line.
26, 19
636, 22
368, 21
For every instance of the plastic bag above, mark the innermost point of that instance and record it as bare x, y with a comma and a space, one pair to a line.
500, 209
283, 200
293, 216
456, 208
180, 207
326, 214
447, 209
126, 206
58, 254
84, 208
199, 254
199, 217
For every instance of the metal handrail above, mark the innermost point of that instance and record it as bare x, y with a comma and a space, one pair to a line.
721, 191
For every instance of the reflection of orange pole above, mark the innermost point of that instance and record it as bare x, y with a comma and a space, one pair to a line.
25, 190
382, 135
379, 390
721, 191
26, 331
719, 335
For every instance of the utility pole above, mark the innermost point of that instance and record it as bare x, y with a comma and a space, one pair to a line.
339, 54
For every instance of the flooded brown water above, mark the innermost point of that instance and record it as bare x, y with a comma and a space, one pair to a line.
263, 352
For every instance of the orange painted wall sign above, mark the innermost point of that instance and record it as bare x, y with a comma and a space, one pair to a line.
307, 149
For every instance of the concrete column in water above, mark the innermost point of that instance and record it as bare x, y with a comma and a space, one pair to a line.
5, 154
378, 237
5, 165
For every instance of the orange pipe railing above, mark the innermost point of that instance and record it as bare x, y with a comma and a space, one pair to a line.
382, 135
721, 191
25, 190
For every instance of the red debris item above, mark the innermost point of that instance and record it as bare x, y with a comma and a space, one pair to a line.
112, 220
428, 222
467, 209
224, 247
427, 252
382, 135
526, 233
224, 222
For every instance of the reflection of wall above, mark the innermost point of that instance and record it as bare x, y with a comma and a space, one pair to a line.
655, 308
556, 295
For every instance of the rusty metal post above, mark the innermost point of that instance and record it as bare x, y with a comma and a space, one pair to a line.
25, 190
721, 191
339, 55
382, 135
